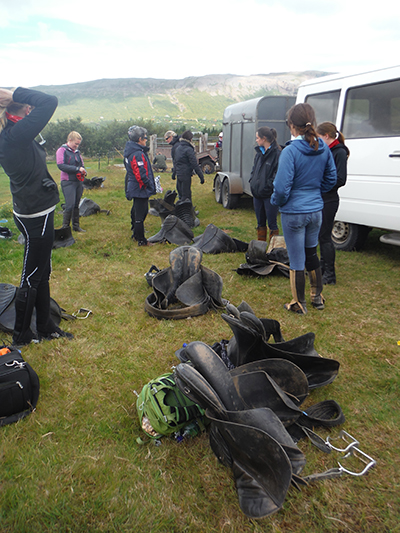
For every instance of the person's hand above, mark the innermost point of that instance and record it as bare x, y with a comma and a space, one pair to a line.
83, 171
49, 184
202, 181
6, 97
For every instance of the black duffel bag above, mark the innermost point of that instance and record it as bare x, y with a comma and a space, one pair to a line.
19, 386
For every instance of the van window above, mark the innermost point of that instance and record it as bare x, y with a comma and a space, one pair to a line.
325, 106
372, 111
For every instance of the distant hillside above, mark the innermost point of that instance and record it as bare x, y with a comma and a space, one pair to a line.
199, 100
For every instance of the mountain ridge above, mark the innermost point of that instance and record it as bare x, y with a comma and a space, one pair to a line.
194, 98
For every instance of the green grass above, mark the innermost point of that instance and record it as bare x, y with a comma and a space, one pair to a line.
74, 465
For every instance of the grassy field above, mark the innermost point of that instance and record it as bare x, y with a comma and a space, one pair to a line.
74, 465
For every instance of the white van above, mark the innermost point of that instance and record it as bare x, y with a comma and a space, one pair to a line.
366, 109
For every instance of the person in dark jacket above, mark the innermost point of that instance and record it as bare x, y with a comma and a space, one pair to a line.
172, 139
139, 180
160, 162
70, 162
262, 179
23, 115
185, 163
336, 143
306, 169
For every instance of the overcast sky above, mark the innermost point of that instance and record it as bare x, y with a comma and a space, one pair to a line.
51, 42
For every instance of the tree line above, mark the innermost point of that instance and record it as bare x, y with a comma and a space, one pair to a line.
101, 139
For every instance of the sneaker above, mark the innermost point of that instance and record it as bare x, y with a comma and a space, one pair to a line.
58, 333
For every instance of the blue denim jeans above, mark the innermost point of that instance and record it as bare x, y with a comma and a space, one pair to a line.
265, 211
301, 231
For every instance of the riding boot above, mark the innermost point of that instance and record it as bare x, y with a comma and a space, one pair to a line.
75, 221
24, 306
46, 327
273, 233
328, 263
297, 285
66, 219
317, 300
262, 233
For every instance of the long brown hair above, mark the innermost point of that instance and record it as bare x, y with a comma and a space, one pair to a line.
328, 128
302, 117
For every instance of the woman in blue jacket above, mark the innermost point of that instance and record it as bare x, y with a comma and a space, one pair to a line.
306, 170
23, 115
261, 182
139, 180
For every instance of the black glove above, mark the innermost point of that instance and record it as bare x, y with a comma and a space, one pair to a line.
49, 184
202, 181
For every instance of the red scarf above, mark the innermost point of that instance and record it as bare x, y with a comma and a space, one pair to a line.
13, 118
334, 143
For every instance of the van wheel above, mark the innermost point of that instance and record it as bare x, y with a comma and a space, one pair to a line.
217, 189
229, 201
349, 237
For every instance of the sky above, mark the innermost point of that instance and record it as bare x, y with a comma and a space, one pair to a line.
49, 42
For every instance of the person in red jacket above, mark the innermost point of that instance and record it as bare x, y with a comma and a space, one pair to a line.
23, 115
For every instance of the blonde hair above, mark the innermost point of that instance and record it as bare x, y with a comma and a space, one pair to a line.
12, 108
74, 136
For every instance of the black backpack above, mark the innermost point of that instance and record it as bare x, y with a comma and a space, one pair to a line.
19, 386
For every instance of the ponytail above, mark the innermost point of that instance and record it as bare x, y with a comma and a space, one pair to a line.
302, 117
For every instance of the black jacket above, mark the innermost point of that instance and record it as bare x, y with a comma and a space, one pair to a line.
185, 161
24, 160
340, 154
264, 169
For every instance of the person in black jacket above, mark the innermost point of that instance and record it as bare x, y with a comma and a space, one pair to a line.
23, 115
139, 180
336, 142
172, 139
185, 163
261, 182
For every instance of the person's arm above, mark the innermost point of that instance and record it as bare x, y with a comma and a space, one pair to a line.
30, 126
340, 159
330, 175
283, 181
195, 165
138, 166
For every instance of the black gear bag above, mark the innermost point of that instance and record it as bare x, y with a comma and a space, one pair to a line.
19, 386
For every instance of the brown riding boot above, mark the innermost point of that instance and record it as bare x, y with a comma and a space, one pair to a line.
262, 233
297, 285
273, 232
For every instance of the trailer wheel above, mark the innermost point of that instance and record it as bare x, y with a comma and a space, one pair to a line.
349, 237
229, 201
217, 189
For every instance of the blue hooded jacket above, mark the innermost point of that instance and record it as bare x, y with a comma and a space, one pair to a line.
303, 175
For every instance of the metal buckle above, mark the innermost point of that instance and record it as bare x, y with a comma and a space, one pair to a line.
82, 310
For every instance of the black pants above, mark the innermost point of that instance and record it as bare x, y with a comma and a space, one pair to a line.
184, 187
327, 249
39, 236
140, 208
